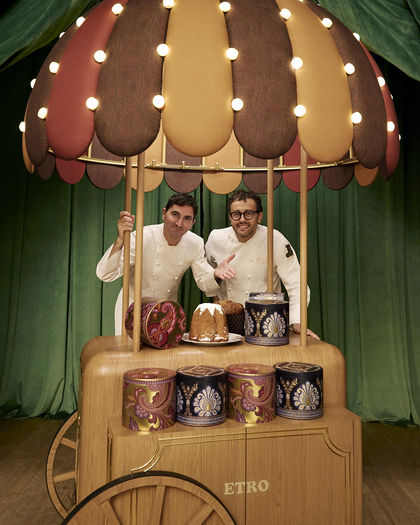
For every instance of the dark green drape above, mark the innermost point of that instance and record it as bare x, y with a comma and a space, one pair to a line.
363, 254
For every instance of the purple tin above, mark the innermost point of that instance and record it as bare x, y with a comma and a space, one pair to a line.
149, 399
251, 393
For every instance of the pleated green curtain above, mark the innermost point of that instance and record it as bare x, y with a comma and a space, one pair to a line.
364, 248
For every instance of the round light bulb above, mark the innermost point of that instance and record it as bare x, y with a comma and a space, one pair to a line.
285, 14
116, 9
327, 22
162, 50
356, 36
297, 62
168, 4
92, 103
53, 67
22, 127
158, 101
237, 104
232, 53
99, 56
349, 68
42, 113
390, 126
80, 21
381, 81
225, 7
299, 110
33, 82
356, 117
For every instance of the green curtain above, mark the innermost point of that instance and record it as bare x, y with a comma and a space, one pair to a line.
363, 253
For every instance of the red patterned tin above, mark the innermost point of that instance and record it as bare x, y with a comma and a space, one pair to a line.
163, 322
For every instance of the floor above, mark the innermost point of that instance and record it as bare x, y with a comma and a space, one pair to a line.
391, 473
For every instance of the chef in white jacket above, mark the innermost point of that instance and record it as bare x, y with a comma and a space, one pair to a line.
247, 239
169, 249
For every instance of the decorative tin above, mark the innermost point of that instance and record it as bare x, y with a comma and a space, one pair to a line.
267, 319
299, 390
201, 395
149, 399
251, 393
162, 323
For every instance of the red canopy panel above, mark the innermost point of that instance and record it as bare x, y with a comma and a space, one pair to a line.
70, 124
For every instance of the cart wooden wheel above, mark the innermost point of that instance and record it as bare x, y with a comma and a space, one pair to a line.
151, 498
60, 467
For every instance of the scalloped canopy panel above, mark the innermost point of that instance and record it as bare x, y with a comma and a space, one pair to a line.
337, 80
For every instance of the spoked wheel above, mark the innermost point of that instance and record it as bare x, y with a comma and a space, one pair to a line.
151, 498
60, 467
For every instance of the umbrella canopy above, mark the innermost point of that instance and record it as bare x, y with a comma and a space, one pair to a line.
236, 84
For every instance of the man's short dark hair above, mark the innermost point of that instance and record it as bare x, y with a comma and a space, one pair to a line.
243, 195
182, 199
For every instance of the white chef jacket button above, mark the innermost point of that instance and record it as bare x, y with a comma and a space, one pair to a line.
153, 289
249, 277
180, 264
176, 278
155, 277
158, 264
169, 291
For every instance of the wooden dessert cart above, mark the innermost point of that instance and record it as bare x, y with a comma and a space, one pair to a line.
278, 472
285, 470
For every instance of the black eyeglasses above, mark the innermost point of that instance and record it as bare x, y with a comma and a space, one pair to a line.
248, 214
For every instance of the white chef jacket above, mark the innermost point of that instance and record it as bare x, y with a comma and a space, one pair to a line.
250, 264
163, 267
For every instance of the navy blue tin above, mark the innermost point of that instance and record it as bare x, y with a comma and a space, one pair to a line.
267, 319
299, 390
201, 395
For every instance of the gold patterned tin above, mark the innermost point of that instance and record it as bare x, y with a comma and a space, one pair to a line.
201, 395
267, 319
299, 390
251, 393
149, 399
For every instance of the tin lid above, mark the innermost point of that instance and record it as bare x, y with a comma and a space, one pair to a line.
201, 371
250, 370
266, 297
149, 374
294, 366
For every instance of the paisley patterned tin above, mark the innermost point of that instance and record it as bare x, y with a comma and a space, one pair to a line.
251, 393
299, 390
149, 399
162, 323
201, 395
267, 319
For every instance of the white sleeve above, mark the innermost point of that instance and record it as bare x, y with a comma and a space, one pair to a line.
111, 268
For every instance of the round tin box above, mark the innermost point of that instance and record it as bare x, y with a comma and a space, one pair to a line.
299, 390
149, 398
251, 393
162, 323
267, 319
201, 395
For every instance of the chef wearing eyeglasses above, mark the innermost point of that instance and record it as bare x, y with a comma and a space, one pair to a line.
247, 239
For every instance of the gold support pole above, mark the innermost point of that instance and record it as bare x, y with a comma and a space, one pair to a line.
270, 223
126, 268
138, 268
303, 246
